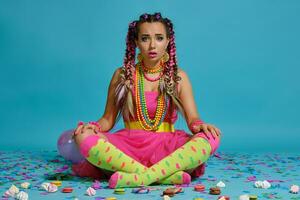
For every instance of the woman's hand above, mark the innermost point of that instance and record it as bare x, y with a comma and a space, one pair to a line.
84, 127
89, 127
208, 129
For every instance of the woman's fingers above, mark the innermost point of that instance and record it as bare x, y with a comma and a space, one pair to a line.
104, 137
83, 128
78, 129
206, 132
87, 126
218, 131
97, 129
213, 132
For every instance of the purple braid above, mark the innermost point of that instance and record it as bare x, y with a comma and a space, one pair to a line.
171, 70
129, 59
126, 81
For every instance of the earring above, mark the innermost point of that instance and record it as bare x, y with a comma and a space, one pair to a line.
140, 57
165, 57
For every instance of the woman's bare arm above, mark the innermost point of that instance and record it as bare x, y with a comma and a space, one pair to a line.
187, 98
108, 119
188, 102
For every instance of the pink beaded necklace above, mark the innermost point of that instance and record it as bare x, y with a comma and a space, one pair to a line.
160, 69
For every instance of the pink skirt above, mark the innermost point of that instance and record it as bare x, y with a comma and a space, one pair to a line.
148, 147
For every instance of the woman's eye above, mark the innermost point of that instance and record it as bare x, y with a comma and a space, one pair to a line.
160, 38
144, 39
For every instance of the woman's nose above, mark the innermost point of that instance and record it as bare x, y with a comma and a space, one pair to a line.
152, 44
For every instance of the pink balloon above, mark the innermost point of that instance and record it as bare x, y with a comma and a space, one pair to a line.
67, 147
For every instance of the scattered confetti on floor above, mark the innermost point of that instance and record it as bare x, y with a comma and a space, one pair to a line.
238, 172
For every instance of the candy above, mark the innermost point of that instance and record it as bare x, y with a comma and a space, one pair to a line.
91, 191
223, 198
25, 185
199, 187
8, 194
168, 192
214, 191
252, 197
67, 190
22, 196
49, 187
244, 197
13, 189
57, 183
166, 197
262, 184
172, 191
100, 198
119, 191
11, 192
96, 185
220, 184
294, 189
141, 190
111, 198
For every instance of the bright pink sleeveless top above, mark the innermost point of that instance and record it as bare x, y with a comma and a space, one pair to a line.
151, 102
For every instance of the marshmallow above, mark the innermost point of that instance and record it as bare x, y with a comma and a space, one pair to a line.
244, 197
22, 196
166, 197
220, 184
262, 184
25, 185
294, 189
91, 191
12, 191
49, 187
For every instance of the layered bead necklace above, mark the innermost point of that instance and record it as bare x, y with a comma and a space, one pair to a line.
157, 69
142, 112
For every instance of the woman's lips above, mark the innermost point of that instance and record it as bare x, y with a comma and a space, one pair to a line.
152, 54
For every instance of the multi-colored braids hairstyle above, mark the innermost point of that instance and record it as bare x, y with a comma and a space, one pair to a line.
170, 80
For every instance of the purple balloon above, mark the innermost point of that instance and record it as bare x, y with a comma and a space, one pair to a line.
67, 147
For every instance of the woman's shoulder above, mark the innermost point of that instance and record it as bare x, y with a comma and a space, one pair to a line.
116, 75
181, 73
118, 70
184, 81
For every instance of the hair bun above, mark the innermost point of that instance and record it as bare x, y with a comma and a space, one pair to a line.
157, 15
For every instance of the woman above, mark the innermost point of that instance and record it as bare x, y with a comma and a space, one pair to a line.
148, 94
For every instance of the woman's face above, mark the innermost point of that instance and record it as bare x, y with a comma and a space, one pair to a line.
152, 41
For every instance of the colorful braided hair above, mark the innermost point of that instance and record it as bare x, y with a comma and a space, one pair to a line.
169, 84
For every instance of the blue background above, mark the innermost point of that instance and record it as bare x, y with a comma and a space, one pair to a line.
242, 57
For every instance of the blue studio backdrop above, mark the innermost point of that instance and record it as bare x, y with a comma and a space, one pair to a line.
242, 57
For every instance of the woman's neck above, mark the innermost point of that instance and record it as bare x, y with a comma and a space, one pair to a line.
148, 64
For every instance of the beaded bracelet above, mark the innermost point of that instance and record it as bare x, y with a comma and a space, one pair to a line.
195, 123
80, 123
96, 124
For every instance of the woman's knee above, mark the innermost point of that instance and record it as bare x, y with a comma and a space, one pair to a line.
80, 137
85, 141
214, 141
